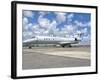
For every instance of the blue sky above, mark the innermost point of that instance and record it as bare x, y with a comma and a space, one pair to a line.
56, 23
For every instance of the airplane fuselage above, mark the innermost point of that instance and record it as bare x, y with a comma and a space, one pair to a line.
51, 40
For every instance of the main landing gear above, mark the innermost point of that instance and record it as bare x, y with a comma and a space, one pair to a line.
66, 45
30, 47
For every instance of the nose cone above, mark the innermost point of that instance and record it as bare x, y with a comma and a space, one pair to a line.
30, 40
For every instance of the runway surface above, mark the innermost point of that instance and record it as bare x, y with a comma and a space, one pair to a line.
55, 57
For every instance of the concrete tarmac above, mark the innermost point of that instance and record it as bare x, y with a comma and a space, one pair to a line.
55, 57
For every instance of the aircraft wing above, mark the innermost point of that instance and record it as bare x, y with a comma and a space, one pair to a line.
69, 42
65, 43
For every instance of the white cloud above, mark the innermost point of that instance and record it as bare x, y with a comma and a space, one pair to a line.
43, 13
27, 34
46, 32
84, 31
27, 27
60, 17
67, 31
86, 38
44, 27
30, 24
53, 24
37, 30
35, 27
25, 21
69, 28
69, 17
78, 32
28, 14
52, 30
81, 24
88, 24
43, 22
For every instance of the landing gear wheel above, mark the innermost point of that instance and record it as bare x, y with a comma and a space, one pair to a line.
70, 46
63, 46
30, 47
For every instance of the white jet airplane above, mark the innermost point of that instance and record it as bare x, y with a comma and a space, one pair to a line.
62, 41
